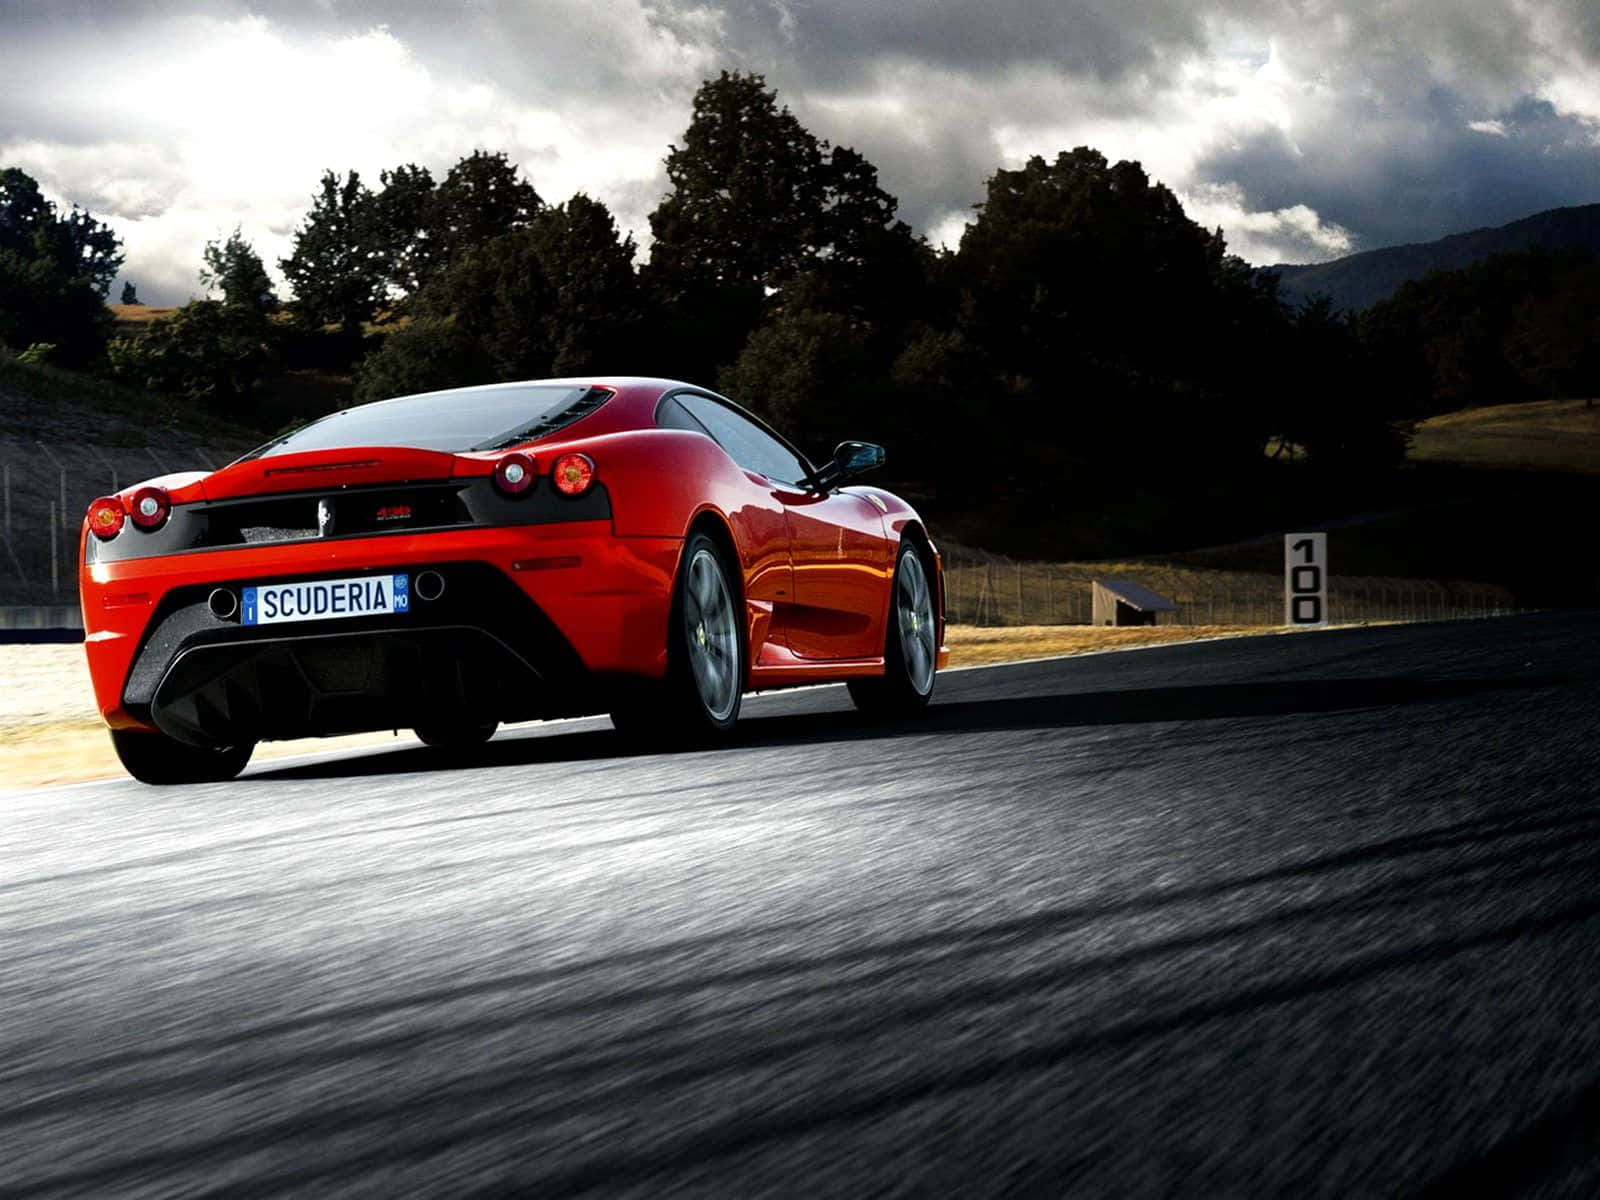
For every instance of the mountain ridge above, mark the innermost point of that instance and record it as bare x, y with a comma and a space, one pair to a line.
1359, 280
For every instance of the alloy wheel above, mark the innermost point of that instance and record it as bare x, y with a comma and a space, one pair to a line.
711, 635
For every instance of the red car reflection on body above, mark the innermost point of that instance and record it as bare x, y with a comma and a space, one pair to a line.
450, 561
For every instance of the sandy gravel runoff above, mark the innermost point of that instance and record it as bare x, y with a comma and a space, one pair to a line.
50, 732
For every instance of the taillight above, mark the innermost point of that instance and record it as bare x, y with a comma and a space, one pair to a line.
513, 474
149, 507
573, 474
105, 517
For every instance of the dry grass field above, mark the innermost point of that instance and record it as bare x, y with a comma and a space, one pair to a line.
51, 734
135, 319
1544, 435
137, 314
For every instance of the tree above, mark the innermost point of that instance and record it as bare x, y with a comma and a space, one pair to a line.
817, 366
558, 296
747, 191
763, 217
746, 194
234, 268
1089, 285
209, 351
811, 373
1337, 413
55, 271
338, 265
426, 354
941, 384
862, 260
129, 294
482, 197
597, 308
401, 217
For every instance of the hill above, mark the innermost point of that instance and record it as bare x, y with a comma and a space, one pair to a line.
1358, 281
51, 404
1545, 435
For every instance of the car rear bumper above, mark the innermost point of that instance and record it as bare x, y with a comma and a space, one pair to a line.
533, 621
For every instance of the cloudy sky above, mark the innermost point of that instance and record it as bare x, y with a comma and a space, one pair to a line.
1305, 128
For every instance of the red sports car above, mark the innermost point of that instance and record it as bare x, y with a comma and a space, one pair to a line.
449, 561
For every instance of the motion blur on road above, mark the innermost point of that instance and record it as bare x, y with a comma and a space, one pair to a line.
1312, 915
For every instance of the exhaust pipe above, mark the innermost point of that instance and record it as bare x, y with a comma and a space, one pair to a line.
223, 603
430, 585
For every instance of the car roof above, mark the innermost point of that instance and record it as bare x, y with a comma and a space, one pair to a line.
618, 382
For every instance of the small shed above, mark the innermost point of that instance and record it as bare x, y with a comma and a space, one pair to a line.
1118, 602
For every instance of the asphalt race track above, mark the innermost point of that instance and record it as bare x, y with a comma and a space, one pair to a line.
1311, 915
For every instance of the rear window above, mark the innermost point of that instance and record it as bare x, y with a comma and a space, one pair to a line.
469, 419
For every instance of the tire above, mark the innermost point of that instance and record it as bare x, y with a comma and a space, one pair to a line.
705, 657
911, 645
446, 735
156, 759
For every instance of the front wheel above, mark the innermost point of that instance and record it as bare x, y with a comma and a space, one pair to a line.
155, 758
911, 645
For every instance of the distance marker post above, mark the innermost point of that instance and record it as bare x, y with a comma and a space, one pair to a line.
1305, 579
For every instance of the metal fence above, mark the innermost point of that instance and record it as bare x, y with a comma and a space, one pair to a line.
45, 488
990, 589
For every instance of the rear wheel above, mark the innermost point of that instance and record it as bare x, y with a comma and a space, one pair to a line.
455, 735
155, 758
705, 656
911, 645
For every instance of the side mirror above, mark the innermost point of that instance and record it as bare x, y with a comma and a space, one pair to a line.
857, 458
849, 460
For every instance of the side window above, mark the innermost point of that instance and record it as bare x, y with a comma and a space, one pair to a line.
671, 415
749, 445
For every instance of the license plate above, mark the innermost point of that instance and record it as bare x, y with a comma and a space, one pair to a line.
325, 599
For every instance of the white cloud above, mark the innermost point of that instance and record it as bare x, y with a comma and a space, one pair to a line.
1285, 235
1493, 128
1032, 110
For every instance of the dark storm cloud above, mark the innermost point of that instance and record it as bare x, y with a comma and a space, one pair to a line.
1103, 39
1441, 176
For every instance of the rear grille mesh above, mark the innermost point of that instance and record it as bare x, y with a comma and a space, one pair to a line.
281, 519
274, 533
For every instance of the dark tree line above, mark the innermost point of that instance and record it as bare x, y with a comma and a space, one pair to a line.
1086, 350
1523, 326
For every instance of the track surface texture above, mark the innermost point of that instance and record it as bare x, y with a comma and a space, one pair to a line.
1297, 916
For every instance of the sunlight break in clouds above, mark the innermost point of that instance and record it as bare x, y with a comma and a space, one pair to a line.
1246, 93
238, 118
